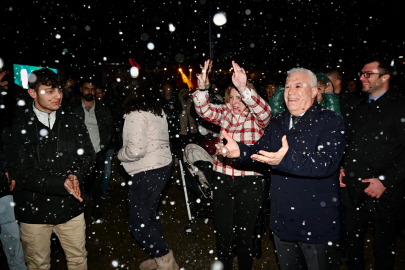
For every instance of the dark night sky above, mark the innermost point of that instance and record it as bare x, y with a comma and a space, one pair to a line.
276, 35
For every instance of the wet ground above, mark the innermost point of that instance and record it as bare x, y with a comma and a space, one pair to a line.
110, 245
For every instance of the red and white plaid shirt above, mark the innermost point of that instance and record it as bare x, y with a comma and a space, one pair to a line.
247, 127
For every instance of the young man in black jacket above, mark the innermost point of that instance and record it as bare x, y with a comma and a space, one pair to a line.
99, 122
372, 178
49, 152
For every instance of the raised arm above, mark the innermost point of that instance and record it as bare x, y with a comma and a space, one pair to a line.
259, 108
210, 112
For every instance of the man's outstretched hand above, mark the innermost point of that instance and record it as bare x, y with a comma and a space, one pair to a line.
73, 187
272, 158
231, 149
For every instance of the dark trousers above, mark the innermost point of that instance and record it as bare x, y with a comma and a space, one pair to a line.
237, 204
299, 255
143, 201
94, 184
356, 223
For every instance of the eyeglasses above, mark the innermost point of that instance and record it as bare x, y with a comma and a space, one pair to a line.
368, 74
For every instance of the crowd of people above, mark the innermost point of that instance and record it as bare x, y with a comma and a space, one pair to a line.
320, 159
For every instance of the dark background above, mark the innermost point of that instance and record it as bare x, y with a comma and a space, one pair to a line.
276, 35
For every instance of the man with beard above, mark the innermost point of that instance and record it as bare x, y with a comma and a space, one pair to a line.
99, 122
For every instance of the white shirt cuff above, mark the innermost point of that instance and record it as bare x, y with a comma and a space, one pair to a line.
247, 94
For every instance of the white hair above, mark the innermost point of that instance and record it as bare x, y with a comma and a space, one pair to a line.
313, 81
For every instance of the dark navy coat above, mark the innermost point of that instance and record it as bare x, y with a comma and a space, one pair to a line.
305, 192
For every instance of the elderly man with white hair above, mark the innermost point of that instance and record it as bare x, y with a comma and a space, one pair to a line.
303, 145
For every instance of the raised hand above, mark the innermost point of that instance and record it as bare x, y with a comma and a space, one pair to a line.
231, 149
210, 67
203, 76
239, 77
207, 82
69, 83
272, 158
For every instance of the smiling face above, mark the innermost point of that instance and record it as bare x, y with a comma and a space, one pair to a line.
298, 94
236, 102
47, 98
374, 85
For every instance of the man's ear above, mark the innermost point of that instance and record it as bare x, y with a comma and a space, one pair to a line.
81, 90
32, 93
314, 92
338, 82
386, 78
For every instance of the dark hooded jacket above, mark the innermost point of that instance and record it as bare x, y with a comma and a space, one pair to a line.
305, 188
104, 118
40, 160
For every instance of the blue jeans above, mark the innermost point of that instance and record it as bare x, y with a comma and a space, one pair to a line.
10, 235
107, 168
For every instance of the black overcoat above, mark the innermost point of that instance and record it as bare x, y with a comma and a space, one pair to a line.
376, 149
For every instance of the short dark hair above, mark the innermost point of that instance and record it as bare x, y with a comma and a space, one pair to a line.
334, 72
43, 76
143, 99
90, 81
383, 67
